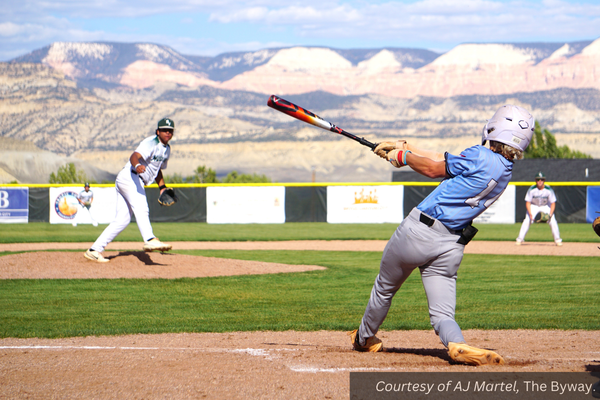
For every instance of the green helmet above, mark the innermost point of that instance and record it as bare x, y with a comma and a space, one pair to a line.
540, 175
166, 123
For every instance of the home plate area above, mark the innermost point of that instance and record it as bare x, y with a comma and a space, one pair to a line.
302, 365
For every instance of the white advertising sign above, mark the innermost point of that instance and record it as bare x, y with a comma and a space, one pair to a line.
65, 209
502, 211
365, 204
245, 205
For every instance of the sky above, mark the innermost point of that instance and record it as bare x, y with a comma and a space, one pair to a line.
212, 27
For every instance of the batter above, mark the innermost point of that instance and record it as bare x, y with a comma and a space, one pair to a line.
433, 236
540, 198
86, 198
145, 166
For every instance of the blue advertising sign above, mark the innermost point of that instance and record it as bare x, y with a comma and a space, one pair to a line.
593, 204
14, 205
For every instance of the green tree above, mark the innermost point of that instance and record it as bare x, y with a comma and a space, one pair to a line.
175, 178
235, 177
68, 174
543, 145
202, 174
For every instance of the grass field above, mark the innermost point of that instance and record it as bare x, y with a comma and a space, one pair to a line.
494, 292
44, 232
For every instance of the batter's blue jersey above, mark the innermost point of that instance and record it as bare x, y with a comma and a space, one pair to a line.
478, 177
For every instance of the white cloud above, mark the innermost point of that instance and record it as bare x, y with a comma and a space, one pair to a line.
439, 23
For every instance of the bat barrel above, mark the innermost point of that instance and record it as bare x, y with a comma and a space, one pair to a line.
303, 114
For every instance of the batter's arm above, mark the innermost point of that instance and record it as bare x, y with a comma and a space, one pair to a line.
433, 155
134, 159
384, 147
431, 168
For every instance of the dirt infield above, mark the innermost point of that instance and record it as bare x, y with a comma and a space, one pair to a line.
475, 247
132, 264
242, 365
253, 365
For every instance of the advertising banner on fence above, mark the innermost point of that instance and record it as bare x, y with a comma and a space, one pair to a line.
245, 205
66, 209
502, 211
365, 204
592, 204
14, 205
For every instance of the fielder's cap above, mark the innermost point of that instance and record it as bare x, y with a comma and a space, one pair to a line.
539, 176
166, 123
87, 184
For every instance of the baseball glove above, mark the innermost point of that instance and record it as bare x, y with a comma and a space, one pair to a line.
596, 226
541, 217
168, 197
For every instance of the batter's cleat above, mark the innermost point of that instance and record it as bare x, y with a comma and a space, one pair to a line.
372, 345
463, 353
156, 245
518, 242
558, 242
95, 256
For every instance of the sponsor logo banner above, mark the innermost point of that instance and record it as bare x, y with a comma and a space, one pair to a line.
245, 205
14, 205
592, 204
502, 211
365, 204
66, 209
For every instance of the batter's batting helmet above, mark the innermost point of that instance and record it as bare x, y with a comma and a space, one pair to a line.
511, 125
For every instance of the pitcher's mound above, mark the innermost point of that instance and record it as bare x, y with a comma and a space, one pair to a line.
133, 264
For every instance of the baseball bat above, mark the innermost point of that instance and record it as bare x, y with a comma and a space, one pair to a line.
303, 114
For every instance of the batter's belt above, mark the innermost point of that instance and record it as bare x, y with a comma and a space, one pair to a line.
465, 235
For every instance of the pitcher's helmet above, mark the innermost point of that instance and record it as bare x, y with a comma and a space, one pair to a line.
511, 125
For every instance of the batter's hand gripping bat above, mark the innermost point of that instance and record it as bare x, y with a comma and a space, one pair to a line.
303, 114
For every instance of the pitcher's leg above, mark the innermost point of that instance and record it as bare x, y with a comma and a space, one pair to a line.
133, 191
122, 219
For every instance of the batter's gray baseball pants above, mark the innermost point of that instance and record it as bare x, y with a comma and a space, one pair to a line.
435, 251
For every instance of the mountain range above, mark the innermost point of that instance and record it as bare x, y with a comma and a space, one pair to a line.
488, 69
96, 101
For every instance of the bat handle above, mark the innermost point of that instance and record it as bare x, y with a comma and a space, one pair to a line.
365, 142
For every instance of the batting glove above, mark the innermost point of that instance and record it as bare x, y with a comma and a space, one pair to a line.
385, 147
398, 157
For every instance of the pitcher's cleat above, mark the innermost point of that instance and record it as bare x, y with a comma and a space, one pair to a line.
372, 345
464, 353
558, 242
156, 245
94, 255
518, 242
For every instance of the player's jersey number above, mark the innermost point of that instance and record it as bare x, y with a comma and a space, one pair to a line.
475, 200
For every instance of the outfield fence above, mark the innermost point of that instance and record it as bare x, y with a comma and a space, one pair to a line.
578, 202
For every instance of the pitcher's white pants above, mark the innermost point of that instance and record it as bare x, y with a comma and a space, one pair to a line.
131, 199
527, 223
